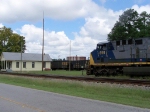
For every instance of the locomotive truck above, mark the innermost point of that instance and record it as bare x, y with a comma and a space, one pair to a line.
130, 57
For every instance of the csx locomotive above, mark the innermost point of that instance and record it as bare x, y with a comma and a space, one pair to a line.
130, 56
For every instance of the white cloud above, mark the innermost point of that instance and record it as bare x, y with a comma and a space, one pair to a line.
32, 10
142, 8
32, 33
96, 28
1, 25
54, 42
83, 45
100, 25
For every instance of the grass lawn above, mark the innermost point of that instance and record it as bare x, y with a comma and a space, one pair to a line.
60, 72
81, 73
104, 92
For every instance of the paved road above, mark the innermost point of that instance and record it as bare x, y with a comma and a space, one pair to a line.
20, 99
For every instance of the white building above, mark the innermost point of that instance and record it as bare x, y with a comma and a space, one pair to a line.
24, 61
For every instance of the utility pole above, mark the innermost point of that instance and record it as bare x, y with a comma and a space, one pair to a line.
70, 56
21, 58
43, 42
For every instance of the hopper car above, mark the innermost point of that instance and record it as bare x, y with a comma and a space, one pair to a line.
66, 65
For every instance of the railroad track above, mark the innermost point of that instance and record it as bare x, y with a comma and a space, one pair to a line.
89, 79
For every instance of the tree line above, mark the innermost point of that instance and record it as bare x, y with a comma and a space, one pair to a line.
131, 25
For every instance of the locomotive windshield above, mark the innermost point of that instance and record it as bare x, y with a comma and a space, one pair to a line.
102, 45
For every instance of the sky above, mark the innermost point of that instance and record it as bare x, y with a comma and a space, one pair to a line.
71, 27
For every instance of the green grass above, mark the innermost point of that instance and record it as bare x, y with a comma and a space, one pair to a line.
104, 92
82, 73
60, 72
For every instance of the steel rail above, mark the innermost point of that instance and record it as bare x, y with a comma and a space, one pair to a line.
83, 78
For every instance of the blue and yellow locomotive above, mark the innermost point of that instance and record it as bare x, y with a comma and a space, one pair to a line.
130, 56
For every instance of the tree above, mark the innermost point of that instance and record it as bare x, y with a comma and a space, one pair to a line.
144, 24
131, 25
11, 42
4, 35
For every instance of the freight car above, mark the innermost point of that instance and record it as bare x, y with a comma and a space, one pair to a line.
130, 57
64, 65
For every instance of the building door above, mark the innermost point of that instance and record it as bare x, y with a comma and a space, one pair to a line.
9, 64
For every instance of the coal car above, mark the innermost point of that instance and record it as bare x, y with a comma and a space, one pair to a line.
69, 65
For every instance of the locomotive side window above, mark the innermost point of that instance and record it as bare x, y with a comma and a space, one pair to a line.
123, 42
138, 42
97, 47
130, 41
117, 43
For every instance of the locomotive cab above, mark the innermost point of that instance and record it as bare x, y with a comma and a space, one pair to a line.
104, 52
101, 51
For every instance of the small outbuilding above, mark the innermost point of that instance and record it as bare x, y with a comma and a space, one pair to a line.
24, 61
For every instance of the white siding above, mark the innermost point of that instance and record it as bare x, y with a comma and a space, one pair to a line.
48, 65
37, 66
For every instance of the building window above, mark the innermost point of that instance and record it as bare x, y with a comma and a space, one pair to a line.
17, 64
24, 64
117, 43
123, 42
33, 64
138, 42
130, 41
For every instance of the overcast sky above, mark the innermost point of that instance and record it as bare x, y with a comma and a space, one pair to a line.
69, 24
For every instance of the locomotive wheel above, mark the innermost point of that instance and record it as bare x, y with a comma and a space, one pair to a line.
103, 72
96, 74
